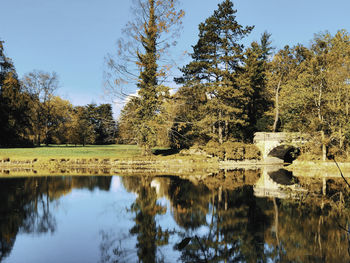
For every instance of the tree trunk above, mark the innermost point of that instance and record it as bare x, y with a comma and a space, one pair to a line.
46, 134
274, 128
324, 149
319, 104
220, 130
340, 139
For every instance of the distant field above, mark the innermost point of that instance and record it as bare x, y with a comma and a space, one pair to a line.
63, 151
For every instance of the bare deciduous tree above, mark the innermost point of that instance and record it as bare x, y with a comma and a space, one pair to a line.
41, 86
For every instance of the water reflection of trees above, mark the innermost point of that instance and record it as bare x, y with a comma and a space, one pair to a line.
189, 202
231, 233
219, 219
310, 229
225, 221
26, 204
234, 230
146, 208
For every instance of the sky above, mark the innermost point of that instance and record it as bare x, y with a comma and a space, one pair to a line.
73, 37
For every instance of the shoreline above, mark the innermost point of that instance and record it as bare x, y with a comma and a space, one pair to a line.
108, 166
161, 165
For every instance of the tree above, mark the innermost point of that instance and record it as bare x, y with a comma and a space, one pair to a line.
317, 91
14, 119
106, 127
294, 92
62, 111
212, 73
189, 103
280, 67
127, 122
101, 117
147, 37
81, 130
41, 86
253, 78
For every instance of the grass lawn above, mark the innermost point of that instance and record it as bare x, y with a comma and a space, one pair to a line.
63, 151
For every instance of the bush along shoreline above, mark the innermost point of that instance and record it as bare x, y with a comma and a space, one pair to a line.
228, 151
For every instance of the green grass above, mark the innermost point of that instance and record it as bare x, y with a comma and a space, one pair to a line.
63, 151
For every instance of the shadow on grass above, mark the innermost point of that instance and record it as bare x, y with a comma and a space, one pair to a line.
74, 146
165, 152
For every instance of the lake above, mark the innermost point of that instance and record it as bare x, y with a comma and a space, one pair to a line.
232, 216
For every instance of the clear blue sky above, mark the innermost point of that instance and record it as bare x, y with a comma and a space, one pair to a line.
72, 37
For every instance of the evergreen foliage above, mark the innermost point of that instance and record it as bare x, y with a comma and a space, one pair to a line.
13, 105
105, 128
212, 78
254, 79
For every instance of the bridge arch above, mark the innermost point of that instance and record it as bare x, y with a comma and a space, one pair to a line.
287, 153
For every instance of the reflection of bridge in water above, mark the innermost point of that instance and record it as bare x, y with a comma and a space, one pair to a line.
277, 182
278, 147
268, 181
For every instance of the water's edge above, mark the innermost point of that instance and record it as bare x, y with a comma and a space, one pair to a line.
176, 166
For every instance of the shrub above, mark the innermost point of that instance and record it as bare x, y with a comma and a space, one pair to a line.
237, 151
215, 149
234, 151
252, 152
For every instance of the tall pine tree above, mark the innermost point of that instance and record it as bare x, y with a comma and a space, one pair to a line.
212, 75
253, 79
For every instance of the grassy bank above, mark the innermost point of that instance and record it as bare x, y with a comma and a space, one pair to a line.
72, 152
102, 160
117, 156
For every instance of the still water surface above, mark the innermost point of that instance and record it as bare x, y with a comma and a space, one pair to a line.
236, 216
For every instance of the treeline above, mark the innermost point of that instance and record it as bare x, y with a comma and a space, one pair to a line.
229, 91
31, 113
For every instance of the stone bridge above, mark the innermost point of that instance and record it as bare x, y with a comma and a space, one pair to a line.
279, 147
